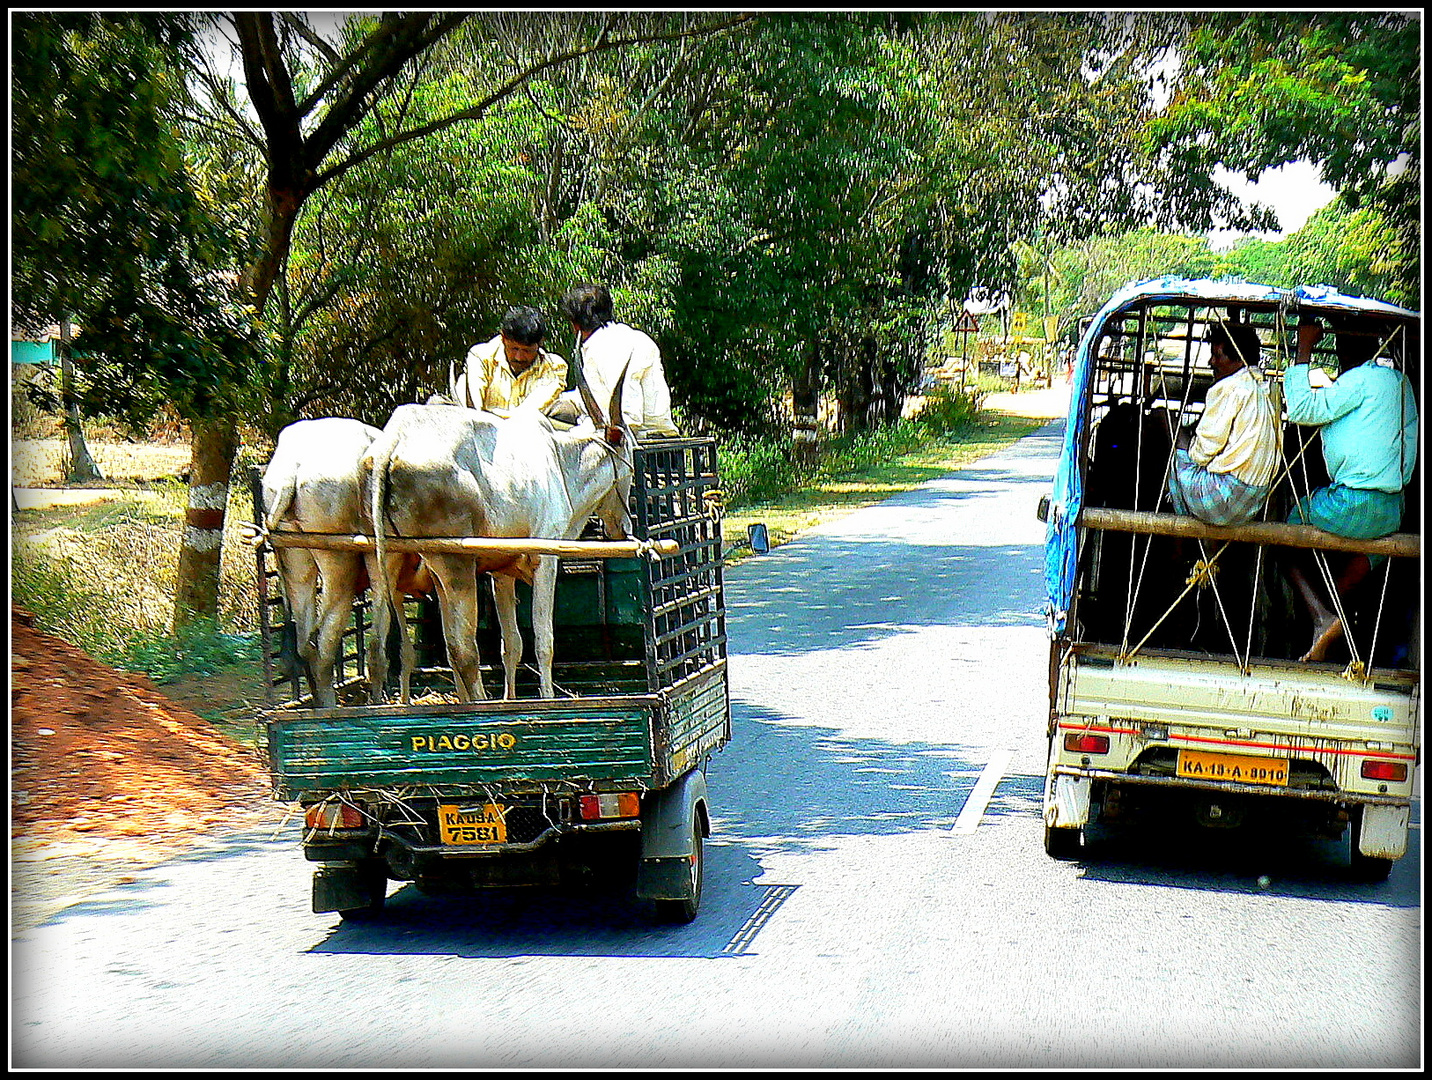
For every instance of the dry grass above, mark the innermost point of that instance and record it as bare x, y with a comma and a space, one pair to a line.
127, 553
43, 462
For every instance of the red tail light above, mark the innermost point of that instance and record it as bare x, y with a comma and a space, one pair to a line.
1077, 743
1384, 770
617, 805
331, 815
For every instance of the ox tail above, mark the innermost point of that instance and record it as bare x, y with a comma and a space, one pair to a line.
381, 585
282, 500
380, 590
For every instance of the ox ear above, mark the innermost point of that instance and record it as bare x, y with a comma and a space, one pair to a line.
617, 426
590, 400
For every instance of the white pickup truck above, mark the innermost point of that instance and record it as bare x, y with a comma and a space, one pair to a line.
1176, 681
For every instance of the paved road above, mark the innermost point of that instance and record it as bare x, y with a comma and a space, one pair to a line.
877, 893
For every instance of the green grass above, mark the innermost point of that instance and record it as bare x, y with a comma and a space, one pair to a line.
102, 576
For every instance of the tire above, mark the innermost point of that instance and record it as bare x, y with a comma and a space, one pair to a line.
374, 875
1365, 868
681, 912
1062, 843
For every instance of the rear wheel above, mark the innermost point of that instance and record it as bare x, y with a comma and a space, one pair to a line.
1062, 843
1364, 867
684, 910
373, 874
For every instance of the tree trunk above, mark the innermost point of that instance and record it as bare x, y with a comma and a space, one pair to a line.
212, 448
805, 405
82, 469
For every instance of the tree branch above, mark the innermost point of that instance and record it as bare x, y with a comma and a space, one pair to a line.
270, 89
296, 23
385, 52
477, 111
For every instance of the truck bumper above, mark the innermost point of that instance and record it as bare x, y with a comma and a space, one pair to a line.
1066, 801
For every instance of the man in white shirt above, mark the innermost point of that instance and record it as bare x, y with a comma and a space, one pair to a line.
1224, 470
605, 348
512, 370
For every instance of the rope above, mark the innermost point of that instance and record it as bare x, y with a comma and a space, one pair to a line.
555, 685
1205, 575
1377, 623
1135, 587
1193, 580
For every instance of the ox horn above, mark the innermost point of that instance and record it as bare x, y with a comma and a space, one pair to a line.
614, 428
590, 400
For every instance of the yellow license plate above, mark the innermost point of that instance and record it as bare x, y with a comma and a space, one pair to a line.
485, 824
1197, 765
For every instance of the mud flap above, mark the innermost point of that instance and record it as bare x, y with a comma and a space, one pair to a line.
1384, 831
1066, 801
339, 888
668, 821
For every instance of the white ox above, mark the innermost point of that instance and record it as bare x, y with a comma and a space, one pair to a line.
311, 483
440, 470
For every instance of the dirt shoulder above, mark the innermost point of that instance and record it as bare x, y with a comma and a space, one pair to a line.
108, 776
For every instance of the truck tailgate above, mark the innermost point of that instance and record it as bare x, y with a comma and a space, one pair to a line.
452, 747
1212, 694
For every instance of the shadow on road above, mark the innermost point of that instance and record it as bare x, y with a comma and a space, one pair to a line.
1185, 857
536, 921
793, 787
900, 584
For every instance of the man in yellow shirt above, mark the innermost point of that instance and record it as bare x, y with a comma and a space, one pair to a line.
1223, 470
512, 370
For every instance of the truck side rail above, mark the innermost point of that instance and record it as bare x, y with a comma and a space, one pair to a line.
1400, 545
466, 545
674, 553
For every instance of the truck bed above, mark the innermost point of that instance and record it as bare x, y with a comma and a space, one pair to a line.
641, 740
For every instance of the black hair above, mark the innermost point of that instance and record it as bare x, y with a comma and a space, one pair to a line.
524, 325
1239, 341
589, 306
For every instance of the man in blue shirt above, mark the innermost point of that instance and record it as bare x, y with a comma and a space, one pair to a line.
1368, 422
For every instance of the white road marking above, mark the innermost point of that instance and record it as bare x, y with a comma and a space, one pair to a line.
974, 807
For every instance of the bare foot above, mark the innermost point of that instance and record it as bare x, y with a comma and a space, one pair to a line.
1327, 632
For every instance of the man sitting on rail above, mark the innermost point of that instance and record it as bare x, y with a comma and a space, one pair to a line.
1368, 421
1223, 469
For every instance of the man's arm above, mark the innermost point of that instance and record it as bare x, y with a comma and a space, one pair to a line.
548, 382
655, 395
1321, 405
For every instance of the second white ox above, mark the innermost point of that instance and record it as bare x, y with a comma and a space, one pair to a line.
440, 470
311, 484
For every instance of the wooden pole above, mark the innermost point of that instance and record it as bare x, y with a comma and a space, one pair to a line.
1402, 545
471, 545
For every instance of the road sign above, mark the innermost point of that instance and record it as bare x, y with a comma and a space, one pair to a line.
968, 324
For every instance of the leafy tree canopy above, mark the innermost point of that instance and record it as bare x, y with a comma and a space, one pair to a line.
110, 229
1341, 89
